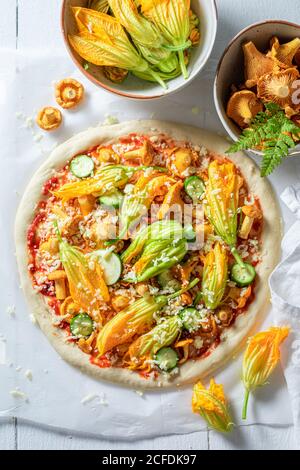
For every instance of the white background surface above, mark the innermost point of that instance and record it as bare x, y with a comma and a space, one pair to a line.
35, 24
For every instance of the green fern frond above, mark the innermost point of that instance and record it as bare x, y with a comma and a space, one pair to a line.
274, 131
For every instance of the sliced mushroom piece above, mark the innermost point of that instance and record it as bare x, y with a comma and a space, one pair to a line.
172, 201
106, 155
251, 213
243, 106
87, 204
278, 87
257, 64
144, 154
59, 277
180, 161
51, 246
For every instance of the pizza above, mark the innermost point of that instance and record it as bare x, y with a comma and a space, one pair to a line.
144, 251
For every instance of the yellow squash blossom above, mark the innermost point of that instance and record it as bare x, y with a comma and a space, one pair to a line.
136, 204
134, 320
105, 181
172, 19
103, 41
261, 357
86, 283
212, 405
215, 275
145, 347
222, 194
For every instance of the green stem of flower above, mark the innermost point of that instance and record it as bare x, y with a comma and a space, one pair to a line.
180, 47
198, 298
157, 77
245, 405
182, 291
58, 234
182, 65
237, 256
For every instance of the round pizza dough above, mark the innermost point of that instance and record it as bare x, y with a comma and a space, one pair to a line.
233, 337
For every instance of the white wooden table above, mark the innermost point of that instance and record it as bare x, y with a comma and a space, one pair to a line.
35, 24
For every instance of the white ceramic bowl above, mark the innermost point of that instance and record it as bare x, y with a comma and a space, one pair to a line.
231, 66
134, 87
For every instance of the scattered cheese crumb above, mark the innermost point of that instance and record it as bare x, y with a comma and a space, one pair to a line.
28, 375
18, 394
139, 392
18, 368
195, 110
11, 310
110, 120
38, 137
89, 398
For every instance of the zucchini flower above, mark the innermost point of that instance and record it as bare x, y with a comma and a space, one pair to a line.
103, 41
215, 275
87, 285
157, 257
145, 35
222, 194
261, 357
134, 320
146, 346
172, 19
212, 405
136, 204
105, 180
162, 230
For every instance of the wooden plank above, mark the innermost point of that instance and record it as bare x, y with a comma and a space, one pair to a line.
32, 437
257, 437
8, 27
39, 24
7, 434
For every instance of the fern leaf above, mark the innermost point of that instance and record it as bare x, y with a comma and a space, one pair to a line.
274, 131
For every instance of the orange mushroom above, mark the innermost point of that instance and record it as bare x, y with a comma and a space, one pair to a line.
49, 118
243, 106
172, 200
144, 154
277, 87
69, 93
251, 213
59, 277
106, 155
285, 53
115, 74
257, 64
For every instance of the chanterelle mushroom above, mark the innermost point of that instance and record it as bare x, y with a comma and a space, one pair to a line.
243, 106
69, 93
59, 277
115, 74
257, 64
278, 87
49, 118
285, 53
251, 213
144, 154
